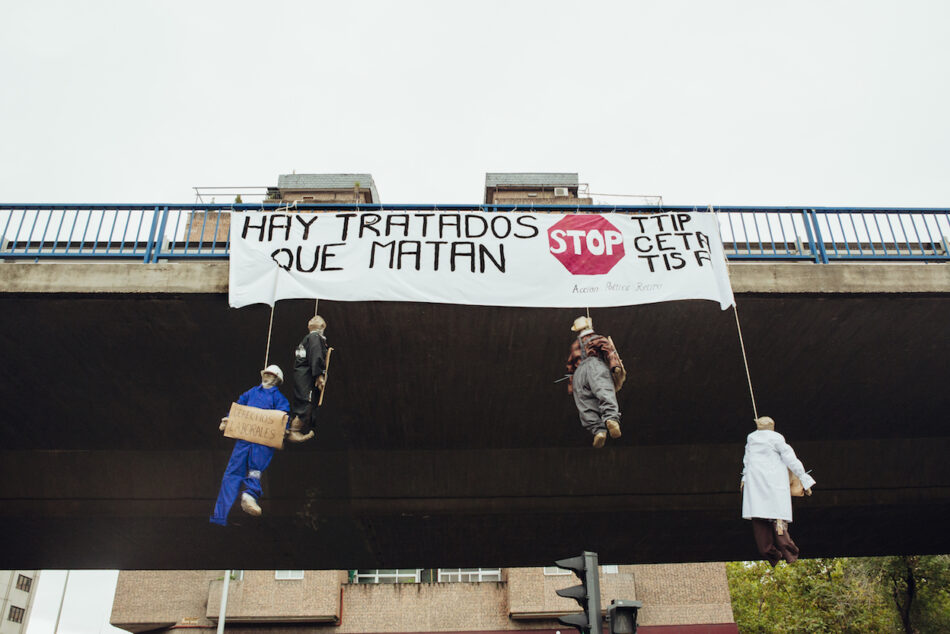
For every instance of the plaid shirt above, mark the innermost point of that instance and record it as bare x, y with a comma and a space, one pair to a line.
595, 346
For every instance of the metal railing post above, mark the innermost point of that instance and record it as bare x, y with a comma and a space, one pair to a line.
151, 237
806, 220
819, 240
156, 251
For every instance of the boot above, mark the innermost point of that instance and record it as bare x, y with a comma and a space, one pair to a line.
613, 427
249, 505
599, 439
296, 433
296, 436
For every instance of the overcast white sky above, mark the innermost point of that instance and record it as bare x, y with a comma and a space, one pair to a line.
739, 102
742, 102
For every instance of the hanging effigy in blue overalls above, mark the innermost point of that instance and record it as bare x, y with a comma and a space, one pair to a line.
249, 460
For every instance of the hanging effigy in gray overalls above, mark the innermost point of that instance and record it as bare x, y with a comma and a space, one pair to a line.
595, 374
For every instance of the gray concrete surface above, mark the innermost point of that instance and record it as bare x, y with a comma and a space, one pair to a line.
212, 277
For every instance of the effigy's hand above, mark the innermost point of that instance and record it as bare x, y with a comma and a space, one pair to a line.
808, 491
320, 382
619, 377
224, 423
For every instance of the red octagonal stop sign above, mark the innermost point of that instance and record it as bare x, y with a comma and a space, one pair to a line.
586, 244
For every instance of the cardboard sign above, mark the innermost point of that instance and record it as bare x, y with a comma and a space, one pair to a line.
261, 426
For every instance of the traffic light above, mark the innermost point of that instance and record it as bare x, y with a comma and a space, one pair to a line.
622, 616
587, 594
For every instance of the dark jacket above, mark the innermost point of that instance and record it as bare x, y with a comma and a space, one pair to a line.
311, 354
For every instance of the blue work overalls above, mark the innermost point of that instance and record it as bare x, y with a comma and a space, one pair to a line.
248, 459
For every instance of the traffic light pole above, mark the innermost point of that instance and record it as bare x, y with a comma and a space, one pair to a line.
587, 594
593, 586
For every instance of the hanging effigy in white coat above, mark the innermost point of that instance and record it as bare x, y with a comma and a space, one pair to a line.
481, 258
766, 463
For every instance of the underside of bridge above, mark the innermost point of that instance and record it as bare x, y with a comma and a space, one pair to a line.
444, 441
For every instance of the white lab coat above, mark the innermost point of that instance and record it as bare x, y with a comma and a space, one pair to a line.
766, 463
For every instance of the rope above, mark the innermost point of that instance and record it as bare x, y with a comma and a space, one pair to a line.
735, 310
745, 360
270, 327
316, 307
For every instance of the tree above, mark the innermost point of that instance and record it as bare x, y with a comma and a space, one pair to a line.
918, 588
862, 594
812, 595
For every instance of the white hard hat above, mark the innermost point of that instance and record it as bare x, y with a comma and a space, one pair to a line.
273, 369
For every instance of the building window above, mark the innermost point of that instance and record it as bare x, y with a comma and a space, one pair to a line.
388, 575
469, 574
607, 569
16, 614
288, 574
554, 570
24, 583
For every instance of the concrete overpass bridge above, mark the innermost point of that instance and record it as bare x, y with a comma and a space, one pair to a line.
444, 441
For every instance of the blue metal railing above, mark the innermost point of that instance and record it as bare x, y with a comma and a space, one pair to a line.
150, 233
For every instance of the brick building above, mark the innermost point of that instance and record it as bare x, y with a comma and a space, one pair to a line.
533, 188
324, 188
501, 188
686, 598
209, 227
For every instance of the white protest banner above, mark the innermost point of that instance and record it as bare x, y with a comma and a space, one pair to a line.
485, 258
